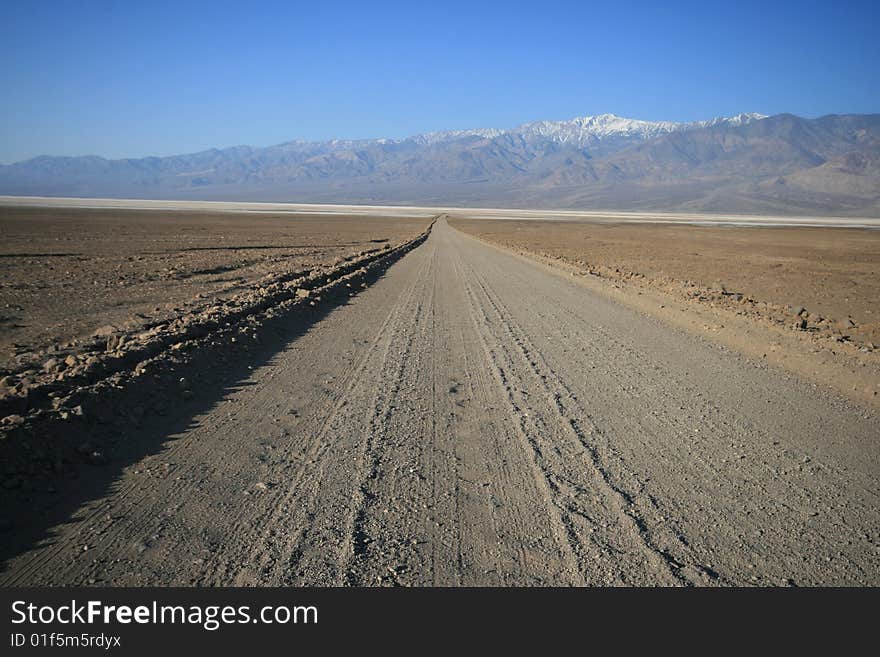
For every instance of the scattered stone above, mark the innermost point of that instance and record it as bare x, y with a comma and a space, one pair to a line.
51, 365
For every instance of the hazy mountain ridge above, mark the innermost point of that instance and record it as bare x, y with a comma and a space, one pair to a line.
748, 162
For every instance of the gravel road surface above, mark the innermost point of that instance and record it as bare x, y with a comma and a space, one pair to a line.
477, 419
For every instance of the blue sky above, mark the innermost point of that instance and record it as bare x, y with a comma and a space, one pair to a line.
132, 79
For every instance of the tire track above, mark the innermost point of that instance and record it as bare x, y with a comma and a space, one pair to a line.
564, 531
727, 480
633, 530
310, 537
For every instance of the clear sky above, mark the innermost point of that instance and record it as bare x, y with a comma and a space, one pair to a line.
135, 78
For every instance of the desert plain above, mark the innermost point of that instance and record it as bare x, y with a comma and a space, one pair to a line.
421, 397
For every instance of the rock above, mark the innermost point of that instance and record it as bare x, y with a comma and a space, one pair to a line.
13, 420
302, 293
70, 361
104, 331
51, 365
801, 324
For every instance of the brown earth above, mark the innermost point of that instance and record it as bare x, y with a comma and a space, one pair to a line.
806, 298
65, 272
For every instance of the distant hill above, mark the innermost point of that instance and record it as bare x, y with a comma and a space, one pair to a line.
746, 163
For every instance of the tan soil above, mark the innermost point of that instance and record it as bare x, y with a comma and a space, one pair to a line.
742, 286
66, 272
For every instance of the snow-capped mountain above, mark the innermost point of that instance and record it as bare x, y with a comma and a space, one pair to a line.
746, 162
430, 138
585, 131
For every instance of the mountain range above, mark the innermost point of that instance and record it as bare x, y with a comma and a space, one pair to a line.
746, 163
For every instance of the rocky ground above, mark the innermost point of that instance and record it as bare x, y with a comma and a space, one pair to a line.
69, 273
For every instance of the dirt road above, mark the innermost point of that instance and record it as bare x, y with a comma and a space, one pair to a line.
474, 418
